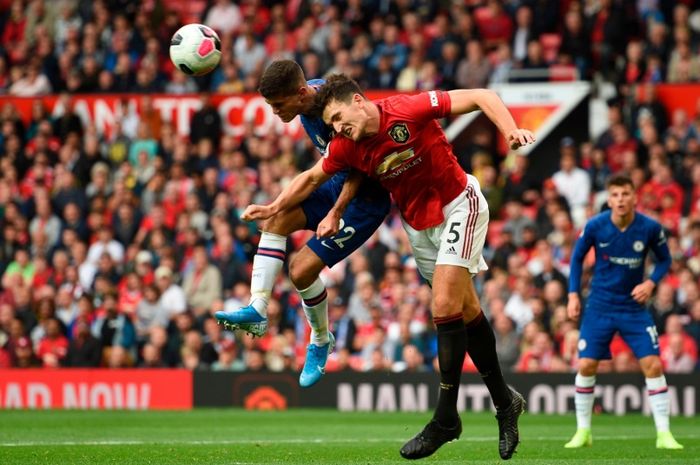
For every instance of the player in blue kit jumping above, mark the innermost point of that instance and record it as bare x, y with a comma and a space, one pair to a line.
622, 239
287, 91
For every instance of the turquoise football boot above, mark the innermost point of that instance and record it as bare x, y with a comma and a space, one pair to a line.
315, 364
246, 318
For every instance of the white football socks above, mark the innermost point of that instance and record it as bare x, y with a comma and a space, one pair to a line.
315, 303
657, 389
585, 387
267, 264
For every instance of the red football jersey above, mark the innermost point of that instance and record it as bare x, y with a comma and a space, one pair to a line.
410, 156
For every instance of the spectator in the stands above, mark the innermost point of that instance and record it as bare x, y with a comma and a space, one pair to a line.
524, 32
473, 70
674, 330
172, 297
202, 282
576, 43
33, 84
84, 349
494, 24
572, 182
675, 359
114, 329
206, 122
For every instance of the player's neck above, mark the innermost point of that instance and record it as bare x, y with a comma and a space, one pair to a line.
622, 222
309, 97
374, 119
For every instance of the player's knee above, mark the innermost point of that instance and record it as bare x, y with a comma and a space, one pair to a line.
301, 274
471, 311
444, 306
653, 368
587, 367
275, 225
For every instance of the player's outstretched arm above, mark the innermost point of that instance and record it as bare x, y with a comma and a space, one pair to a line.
330, 225
488, 101
296, 192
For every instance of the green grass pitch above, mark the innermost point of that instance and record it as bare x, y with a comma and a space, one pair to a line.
233, 436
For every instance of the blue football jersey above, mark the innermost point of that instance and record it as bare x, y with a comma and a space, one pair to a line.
619, 260
319, 133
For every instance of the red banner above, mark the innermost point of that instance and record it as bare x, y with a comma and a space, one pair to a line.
683, 96
236, 111
96, 389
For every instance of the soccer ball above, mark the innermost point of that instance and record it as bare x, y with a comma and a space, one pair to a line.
195, 49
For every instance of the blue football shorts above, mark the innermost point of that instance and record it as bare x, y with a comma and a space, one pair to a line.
637, 329
362, 217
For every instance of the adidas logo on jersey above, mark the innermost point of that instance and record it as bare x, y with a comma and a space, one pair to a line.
451, 251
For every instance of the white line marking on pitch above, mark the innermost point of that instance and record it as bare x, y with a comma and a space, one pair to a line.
224, 442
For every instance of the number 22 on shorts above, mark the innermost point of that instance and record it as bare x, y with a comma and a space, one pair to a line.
345, 233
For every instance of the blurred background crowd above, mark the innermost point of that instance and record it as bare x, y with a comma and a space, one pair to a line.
110, 46
116, 250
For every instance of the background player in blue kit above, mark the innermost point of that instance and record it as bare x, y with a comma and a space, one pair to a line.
287, 91
622, 239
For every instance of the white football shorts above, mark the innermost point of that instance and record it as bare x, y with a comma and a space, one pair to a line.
459, 240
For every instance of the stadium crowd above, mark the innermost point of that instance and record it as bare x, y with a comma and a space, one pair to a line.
116, 251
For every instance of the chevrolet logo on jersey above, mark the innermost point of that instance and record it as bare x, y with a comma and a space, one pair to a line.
394, 160
399, 133
632, 263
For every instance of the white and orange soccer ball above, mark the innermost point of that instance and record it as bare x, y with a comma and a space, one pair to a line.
195, 49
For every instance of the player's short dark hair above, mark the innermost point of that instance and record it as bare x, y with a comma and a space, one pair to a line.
620, 180
281, 79
337, 87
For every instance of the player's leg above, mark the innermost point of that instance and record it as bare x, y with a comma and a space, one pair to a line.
583, 401
448, 294
358, 223
445, 425
304, 271
596, 332
481, 346
454, 284
459, 242
639, 332
659, 402
267, 264
462, 244
271, 253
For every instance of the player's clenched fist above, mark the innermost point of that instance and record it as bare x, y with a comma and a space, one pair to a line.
642, 292
329, 226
